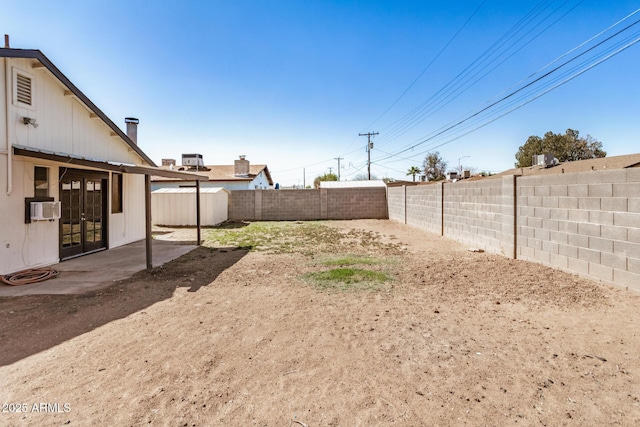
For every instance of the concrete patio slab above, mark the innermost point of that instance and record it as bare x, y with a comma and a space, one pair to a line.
100, 269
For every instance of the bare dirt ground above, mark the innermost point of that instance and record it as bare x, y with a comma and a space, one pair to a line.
234, 337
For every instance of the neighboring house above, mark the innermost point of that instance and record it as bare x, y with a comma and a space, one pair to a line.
71, 182
240, 176
601, 163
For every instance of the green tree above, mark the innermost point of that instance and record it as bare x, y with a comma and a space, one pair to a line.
413, 171
434, 167
566, 147
325, 177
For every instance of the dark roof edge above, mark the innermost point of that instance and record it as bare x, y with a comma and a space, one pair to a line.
267, 173
37, 54
69, 159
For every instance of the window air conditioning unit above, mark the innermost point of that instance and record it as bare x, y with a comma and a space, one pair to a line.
42, 211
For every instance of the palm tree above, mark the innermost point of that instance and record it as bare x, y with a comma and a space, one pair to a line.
414, 170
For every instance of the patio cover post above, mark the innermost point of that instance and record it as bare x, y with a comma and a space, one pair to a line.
198, 209
147, 211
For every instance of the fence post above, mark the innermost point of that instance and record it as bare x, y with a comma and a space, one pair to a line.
404, 202
442, 208
515, 216
323, 203
258, 205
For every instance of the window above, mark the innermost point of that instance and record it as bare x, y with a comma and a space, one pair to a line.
41, 182
116, 193
23, 89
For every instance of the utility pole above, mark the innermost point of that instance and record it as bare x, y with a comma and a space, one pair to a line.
330, 170
338, 159
369, 147
460, 165
304, 179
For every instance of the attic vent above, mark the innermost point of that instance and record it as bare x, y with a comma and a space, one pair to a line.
23, 86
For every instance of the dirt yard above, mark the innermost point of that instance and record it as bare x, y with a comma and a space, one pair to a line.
231, 336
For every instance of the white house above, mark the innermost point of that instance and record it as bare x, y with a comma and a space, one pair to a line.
57, 146
240, 176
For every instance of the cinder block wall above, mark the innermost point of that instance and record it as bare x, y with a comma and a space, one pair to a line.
288, 205
585, 223
356, 203
242, 204
424, 207
481, 214
291, 205
396, 205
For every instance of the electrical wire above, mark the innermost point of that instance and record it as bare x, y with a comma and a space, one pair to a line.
470, 116
424, 70
462, 82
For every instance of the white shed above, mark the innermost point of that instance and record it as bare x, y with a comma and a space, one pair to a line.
176, 206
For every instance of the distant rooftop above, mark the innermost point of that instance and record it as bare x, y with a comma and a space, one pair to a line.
600, 164
220, 173
352, 184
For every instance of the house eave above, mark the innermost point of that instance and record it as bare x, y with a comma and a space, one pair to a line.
107, 165
39, 56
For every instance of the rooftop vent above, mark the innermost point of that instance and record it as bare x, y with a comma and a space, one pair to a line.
545, 160
23, 86
193, 161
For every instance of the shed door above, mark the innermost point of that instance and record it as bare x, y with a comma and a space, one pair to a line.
83, 226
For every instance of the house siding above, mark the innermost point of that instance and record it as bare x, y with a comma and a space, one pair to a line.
64, 123
25, 245
64, 126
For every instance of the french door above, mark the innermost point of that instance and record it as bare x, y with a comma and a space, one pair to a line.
83, 225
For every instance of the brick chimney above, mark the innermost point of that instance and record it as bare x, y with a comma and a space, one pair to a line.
241, 167
132, 128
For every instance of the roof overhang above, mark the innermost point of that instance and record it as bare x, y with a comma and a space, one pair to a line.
108, 165
39, 56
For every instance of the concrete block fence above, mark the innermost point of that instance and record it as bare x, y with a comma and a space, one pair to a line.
293, 205
585, 223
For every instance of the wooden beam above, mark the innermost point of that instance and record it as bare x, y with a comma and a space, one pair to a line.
37, 65
198, 211
147, 212
93, 116
114, 134
68, 93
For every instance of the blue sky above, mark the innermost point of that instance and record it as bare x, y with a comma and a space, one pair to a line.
292, 83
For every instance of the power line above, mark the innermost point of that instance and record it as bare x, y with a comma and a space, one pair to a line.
457, 85
470, 116
424, 70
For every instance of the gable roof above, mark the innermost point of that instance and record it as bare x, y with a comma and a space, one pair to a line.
222, 173
603, 163
40, 57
